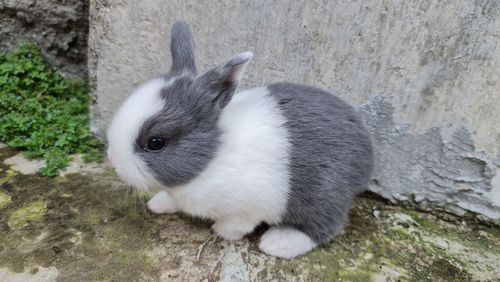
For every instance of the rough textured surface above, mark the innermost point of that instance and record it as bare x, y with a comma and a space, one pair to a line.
85, 227
424, 74
59, 28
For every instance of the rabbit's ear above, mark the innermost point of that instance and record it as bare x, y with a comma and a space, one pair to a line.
222, 81
182, 49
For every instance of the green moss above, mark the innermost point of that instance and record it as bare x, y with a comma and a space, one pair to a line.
42, 113
5, 199
400, 233
32, 212
362, 275
422, 221
459, 231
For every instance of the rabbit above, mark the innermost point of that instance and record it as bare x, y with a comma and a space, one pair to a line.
288, 155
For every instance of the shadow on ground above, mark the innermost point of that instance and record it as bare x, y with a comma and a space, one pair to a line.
85, 226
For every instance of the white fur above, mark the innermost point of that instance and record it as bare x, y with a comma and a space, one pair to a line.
285, 242
141, 105
248, 180
162, 203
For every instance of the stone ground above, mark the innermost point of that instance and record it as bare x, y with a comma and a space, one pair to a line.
85, 226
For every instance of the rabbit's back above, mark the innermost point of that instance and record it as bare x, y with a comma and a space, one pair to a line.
331, 156
325, 132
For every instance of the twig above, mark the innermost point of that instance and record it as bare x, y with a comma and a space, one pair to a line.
201, 247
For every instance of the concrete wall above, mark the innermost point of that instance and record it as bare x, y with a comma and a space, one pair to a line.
59, 29
424, 74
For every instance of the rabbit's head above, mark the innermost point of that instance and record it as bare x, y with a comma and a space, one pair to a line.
166, 132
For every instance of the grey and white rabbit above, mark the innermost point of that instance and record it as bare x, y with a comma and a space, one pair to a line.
289, 155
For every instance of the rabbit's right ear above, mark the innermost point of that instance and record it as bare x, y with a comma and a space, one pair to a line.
182, 49
220, 83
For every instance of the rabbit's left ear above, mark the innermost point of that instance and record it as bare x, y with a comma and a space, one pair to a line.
182, 49
222, 81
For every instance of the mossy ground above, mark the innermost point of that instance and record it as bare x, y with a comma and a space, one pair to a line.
86, 228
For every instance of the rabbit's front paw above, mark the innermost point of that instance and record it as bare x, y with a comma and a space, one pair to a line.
161, 203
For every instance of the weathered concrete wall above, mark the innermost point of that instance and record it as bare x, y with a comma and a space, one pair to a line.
424, 74
59, 28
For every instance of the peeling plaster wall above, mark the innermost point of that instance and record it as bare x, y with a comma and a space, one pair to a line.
58, 28
424, 74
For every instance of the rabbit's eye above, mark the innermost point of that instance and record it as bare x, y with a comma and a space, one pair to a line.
156, 144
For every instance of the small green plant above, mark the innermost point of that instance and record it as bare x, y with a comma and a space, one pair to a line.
42, 113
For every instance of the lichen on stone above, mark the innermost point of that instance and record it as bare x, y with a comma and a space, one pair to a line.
9, 175
5, 199
31, 212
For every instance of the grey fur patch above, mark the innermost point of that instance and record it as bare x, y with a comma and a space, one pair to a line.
189, 127
331, 159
